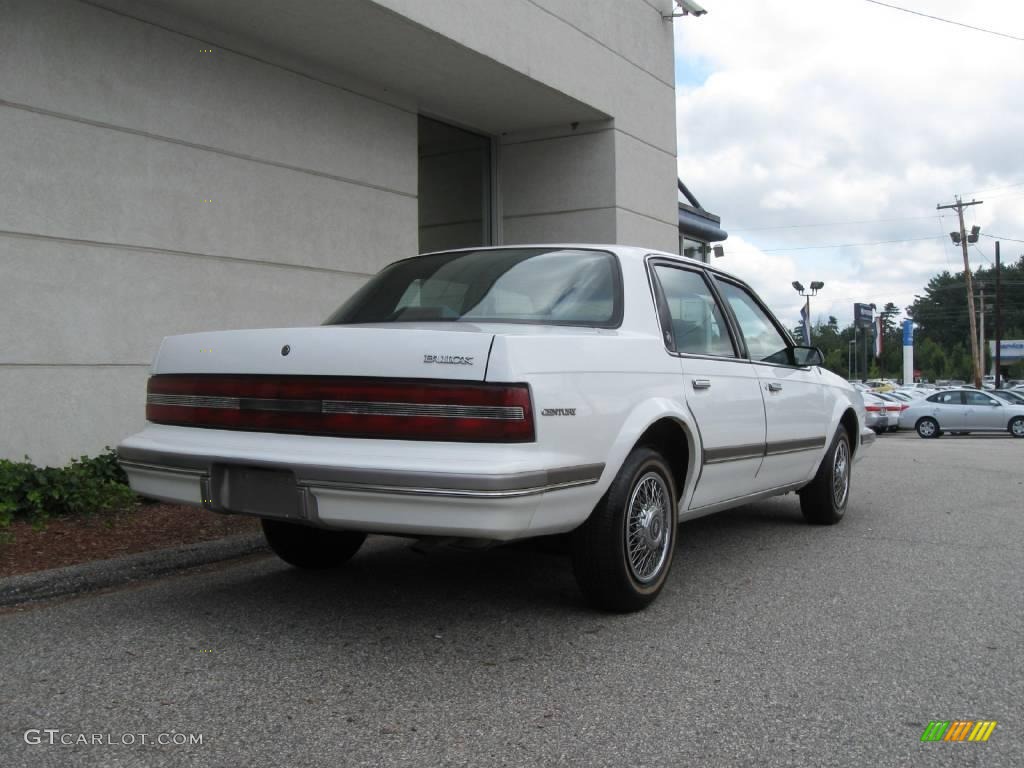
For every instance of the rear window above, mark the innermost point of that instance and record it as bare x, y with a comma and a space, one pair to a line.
556, 286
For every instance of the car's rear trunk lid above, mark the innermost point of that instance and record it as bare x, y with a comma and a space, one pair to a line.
397, 383
398, 351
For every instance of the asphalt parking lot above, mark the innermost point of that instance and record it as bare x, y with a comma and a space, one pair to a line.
775, 643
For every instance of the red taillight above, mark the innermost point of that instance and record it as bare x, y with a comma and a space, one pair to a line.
344, 407
871, 408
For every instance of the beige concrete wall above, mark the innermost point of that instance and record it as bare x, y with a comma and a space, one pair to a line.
558, 187
152, 187
616, 55
113, 134
618, 58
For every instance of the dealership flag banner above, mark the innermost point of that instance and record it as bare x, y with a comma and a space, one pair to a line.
908, 351
878, 336
805, 316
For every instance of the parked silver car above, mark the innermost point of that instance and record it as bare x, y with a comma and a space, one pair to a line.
891, 406
877, 412
963, 411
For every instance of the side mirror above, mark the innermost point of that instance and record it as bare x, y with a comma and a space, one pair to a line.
807, 356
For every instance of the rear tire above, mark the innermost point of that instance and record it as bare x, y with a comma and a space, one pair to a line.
824, 500
311, 548
927, 428
1016, 426
622, 554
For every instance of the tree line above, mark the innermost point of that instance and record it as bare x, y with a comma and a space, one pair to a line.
942, 335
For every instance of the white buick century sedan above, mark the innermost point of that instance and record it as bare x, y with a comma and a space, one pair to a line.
503, 393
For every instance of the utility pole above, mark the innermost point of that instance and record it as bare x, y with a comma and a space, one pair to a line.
999, 320
961, 238
981, 324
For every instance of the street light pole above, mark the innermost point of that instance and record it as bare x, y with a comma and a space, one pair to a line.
961, 238
816, 286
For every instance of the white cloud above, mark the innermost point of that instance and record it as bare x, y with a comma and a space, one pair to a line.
843, 111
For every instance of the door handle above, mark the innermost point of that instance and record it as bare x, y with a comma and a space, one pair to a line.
774, 386
702, 383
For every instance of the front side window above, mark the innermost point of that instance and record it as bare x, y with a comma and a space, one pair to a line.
557, 286
978, 398
1011, 397
764, 341
695, 321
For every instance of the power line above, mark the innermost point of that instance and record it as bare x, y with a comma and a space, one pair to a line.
998, 237
947, 21
982, 254
959, 286
845, 245
1007, 194
994, 189
946, 244
830, 224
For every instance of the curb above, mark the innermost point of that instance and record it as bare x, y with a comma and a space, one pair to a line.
101, 574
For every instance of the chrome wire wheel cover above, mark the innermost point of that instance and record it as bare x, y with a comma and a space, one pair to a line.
926, 428
1017, 427
649, 527
841, 474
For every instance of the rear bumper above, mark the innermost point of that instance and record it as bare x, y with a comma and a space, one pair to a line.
371, 489
876, 421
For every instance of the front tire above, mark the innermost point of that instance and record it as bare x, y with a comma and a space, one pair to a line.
311, 548
622, 554
1016, 426
927, 428
823, 501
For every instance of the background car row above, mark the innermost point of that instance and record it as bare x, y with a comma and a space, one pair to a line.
933, 410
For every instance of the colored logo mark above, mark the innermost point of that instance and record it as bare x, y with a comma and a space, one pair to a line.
958, 730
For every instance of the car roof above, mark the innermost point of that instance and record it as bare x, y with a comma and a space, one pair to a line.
960, 389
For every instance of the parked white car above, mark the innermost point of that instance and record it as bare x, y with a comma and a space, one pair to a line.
500, 394
962, 411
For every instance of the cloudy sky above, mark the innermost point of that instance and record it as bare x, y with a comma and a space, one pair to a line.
810, 125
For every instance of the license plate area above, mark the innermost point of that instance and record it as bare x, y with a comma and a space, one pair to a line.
256, 491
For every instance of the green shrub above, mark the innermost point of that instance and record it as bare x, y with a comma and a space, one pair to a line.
85, 486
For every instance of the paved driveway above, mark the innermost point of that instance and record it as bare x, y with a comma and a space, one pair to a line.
774, 643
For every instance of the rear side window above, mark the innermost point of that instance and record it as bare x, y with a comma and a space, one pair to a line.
947, 398
695, 321
551, 286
